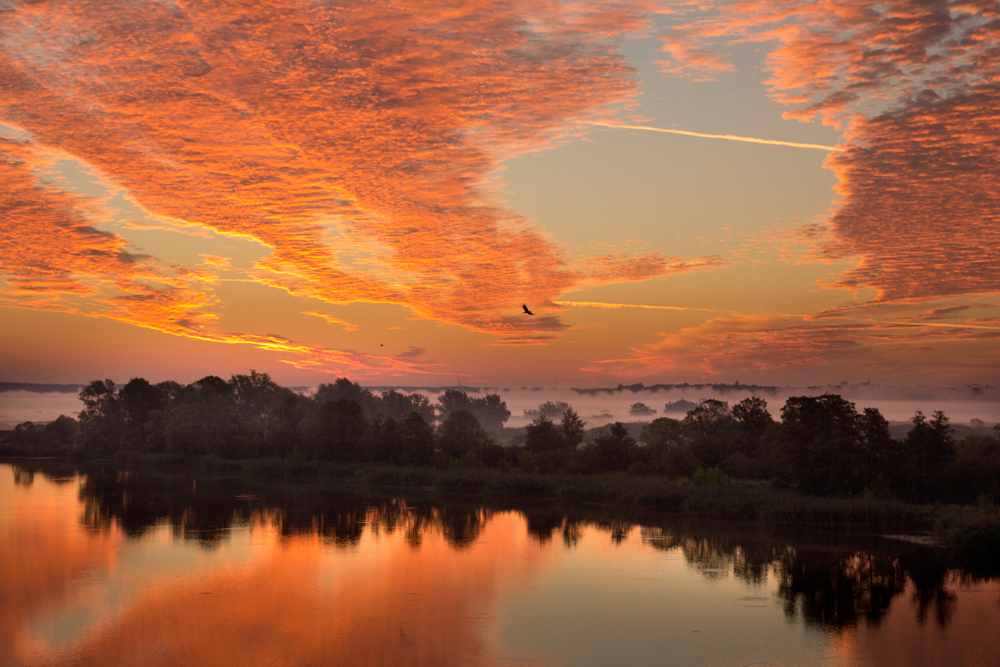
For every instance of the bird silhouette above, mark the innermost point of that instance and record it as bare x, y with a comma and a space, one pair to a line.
526, 309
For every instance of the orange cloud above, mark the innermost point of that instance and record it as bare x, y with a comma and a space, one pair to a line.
775, 342
920, 204
916, 86
329, 319
378, 124
55, 258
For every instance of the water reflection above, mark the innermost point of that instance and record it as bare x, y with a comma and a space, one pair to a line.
97, 569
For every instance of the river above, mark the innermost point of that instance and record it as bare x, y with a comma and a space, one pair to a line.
111, 568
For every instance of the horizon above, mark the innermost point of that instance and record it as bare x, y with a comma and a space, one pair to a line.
603, 405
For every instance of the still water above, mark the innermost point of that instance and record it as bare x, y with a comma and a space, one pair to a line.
111, 569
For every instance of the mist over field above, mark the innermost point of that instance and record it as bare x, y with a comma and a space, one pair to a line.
17, 407
599, 406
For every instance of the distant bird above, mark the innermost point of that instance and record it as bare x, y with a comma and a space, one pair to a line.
526, 309
381, 344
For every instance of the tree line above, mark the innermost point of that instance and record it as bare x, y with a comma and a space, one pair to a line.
822, 445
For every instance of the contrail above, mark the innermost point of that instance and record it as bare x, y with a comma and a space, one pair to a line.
600, 304
915, 323
730, 137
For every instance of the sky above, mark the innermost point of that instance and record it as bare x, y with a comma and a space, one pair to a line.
776, 192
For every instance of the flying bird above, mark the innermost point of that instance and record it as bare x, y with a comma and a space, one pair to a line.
526, 309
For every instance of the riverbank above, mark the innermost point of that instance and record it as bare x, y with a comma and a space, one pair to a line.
972, 529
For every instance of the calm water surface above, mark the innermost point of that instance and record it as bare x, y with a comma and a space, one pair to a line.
109, 569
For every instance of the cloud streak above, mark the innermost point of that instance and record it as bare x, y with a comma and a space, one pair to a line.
616, 306
727, 137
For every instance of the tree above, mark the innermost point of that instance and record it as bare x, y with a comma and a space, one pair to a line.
821, 444
282, 423
680, 406
641, 410
416, 438
490, 411
572, 428
25, 437
881, 456
335, 431
930, 452
709, 428
977, 468
383, 441
542, 435
461, 433
551, 409
615, 448
102, 422
98, 399
752, 423
63, 432
344, 389
254, 395
663, 432
399, 406
201, 424
666, 452
138, 399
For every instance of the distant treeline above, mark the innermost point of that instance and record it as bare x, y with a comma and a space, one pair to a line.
40, 388
821, 446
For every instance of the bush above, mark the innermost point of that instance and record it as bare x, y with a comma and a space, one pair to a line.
710, 477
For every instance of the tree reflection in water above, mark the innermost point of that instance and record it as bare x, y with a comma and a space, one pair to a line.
831, 584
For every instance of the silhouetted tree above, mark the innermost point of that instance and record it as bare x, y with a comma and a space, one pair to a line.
102, 421
138, 399
550, 409
63, 431
753, 421
460, 433
490, 411
416, 439
666, 452
254, 395
399, 406
977, 468
344, 389
681, 406
572, 428
641, 410
335, 431
615, 448
880, 459
542, 435
709, 429
202, 419
25, 437
930, 451
821, 444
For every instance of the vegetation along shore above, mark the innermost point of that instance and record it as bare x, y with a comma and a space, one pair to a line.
824, 464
